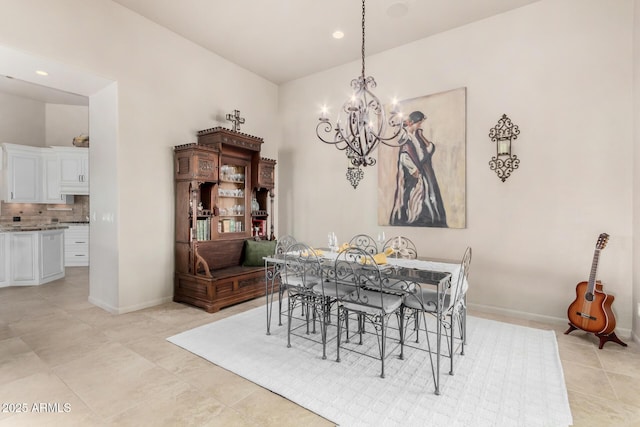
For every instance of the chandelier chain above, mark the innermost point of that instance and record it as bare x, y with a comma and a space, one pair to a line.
363, 76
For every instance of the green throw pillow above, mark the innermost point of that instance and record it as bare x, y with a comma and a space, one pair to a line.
255, 250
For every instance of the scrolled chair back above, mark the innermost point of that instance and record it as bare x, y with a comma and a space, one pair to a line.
284, 242
302, 267
364, 242
402, 247
356, 268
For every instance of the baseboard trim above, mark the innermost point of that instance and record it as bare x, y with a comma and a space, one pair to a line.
621, 332
129, 309
103, 305
144, 305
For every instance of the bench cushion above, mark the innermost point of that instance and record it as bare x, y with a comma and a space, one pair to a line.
254, 251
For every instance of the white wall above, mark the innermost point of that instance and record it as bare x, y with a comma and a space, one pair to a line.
22, 120
636, 172
167, 89
562, 70
64, 122
26, 121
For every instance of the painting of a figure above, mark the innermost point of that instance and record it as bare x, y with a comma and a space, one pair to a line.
422, 182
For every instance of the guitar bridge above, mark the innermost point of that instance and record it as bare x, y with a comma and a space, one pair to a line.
585, 315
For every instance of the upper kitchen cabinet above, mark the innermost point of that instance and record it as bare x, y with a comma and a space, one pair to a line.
21, 169
31, 175
51, 179
74, 169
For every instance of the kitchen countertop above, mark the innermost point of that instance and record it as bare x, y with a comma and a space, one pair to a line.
8, 228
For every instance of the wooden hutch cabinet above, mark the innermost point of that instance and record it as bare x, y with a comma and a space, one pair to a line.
223, 187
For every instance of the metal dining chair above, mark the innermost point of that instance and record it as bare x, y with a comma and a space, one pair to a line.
453, 312
282, 246
369, 301
304, 287
364, 242
402, 247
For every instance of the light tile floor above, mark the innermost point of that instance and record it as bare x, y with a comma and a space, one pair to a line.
60, 353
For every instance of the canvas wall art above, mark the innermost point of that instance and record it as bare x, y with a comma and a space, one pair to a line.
423, 182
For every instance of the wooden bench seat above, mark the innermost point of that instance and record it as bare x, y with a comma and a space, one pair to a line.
221, 279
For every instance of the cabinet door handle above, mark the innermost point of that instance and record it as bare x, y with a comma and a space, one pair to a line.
81, 242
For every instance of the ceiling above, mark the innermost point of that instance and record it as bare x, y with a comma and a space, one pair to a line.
23, 89
282, 40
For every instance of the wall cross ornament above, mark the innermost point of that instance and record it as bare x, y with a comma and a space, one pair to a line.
504, 163
235, 119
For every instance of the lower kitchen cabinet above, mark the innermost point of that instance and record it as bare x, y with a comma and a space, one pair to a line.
76, 246
51, 257
31, 257
23, 248
4, 260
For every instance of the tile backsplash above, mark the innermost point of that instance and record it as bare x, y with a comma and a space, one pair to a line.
45, 213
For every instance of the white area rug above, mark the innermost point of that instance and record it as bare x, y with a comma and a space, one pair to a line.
509, 376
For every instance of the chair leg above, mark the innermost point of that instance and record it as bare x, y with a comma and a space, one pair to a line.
463, 330
338, 320
451, 348
289, 313
400, 317
323, 330
346, 317
382, 344
280, 292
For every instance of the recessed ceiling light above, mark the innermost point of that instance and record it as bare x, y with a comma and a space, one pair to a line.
42, 73
337, 34
398, 9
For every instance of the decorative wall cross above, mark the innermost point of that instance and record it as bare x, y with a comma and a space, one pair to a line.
235, 119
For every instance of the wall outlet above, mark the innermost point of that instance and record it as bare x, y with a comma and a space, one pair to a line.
639, 309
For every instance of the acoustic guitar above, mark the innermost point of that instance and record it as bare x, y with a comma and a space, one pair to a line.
591, 310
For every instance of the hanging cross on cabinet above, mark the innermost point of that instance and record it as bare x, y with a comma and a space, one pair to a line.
235, 119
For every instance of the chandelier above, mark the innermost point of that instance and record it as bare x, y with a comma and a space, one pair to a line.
362, 123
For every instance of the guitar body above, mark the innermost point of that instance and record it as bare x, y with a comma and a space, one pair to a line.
593, 316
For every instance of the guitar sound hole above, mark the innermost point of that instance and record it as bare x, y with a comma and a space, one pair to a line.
589, 296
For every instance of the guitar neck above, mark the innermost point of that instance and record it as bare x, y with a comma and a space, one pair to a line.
594, 270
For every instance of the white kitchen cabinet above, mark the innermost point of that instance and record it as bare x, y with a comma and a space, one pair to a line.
76, 245
4, 260
74, 169
32, 175
31, 257
51, 179
51, 255
22, 171
24, 258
